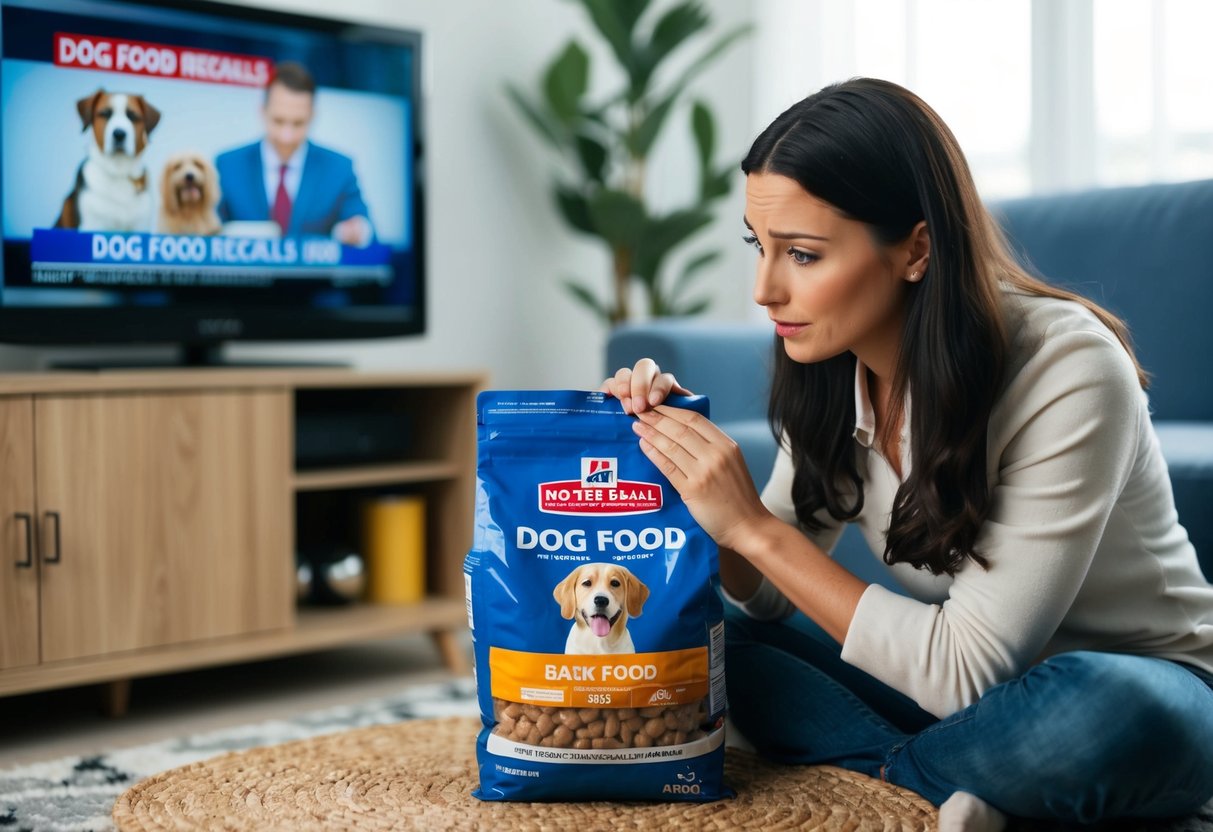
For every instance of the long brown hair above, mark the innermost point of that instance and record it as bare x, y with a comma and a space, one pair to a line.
878, 154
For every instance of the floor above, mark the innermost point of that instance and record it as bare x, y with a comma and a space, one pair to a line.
52, 724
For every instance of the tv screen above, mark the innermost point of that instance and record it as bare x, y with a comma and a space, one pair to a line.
195, 172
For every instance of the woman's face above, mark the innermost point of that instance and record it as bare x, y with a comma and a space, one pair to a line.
823, 279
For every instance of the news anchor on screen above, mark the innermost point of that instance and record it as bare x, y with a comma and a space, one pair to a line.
285, 178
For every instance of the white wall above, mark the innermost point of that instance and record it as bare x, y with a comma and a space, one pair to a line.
496, 247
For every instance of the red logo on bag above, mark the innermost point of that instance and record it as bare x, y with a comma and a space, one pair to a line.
599, 491
599, 472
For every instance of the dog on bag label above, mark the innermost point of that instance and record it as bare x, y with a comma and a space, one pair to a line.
599, 598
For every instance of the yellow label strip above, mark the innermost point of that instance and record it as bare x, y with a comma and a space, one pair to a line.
619, 680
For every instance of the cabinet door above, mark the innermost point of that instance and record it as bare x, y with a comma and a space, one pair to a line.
165, 518
18, 581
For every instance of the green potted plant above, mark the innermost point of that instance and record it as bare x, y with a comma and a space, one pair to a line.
606, 144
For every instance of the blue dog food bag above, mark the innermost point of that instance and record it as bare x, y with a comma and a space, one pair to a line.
591, 593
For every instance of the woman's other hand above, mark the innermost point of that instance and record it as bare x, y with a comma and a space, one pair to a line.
707, 468
642, 387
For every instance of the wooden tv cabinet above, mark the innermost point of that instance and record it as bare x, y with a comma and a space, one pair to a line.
149, 520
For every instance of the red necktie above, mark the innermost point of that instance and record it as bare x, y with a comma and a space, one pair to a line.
282, 203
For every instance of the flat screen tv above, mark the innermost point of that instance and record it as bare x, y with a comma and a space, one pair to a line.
194, 173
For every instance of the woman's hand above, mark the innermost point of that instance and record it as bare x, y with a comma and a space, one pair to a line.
642, 387
707, 468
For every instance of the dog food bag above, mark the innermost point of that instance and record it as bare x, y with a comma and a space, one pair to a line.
591, 595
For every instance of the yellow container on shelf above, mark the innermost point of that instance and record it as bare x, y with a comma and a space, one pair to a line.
393, 538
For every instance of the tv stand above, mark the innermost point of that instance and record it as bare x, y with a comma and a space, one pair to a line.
191, 355
149, 521
202, 355
211, 355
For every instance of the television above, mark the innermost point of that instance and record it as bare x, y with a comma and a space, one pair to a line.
141, 205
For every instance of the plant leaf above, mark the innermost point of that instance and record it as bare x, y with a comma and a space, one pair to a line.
587, 298
641, 140
593, 156
618, 217
677, 88
676, 25
710, 54
566, 81
575, 209
596, 115
538, 119
661, 236
704, 128
674, 28
714, 187
629, 12
616, 21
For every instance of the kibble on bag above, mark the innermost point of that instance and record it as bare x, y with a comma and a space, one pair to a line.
598, 633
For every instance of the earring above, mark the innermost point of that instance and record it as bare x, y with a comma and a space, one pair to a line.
913, 277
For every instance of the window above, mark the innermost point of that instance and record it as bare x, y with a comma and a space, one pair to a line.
980, 85
1153, 106
1043, 95
941, 49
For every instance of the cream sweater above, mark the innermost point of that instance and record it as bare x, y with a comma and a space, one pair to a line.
1083, 541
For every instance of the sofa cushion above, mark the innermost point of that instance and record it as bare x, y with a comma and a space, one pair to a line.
1146, 254
1188, 448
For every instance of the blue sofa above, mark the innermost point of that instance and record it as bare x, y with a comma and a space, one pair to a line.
1146, 253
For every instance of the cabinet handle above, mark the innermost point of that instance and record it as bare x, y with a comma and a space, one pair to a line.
29, 541
54, 515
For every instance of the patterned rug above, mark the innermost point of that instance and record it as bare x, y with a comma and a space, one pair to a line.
76, 794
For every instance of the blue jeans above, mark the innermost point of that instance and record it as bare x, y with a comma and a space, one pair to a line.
1082, 736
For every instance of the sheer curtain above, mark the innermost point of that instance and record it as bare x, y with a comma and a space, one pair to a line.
1043, 95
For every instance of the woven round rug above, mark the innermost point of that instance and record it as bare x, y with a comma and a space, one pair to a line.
420, 774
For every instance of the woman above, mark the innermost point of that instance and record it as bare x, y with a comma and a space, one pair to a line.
1053, 655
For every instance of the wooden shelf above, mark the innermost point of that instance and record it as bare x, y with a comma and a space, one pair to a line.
321, 627
219, 378
315, 629
198, 567
369, 475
